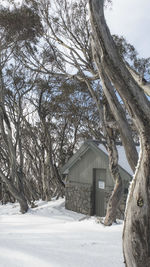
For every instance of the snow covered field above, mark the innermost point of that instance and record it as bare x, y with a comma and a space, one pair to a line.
50, 236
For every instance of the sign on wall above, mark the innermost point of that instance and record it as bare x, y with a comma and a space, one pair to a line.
101, 184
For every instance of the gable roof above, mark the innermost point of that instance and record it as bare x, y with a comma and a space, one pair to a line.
122, 160
81, 151
97, 146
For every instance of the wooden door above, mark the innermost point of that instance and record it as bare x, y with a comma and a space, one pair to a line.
99, 184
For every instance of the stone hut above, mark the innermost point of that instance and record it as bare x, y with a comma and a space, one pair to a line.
89, 182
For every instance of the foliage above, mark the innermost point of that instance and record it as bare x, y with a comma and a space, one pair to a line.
20, 24
52, 95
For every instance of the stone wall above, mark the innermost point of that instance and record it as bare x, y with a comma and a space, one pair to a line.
79, 198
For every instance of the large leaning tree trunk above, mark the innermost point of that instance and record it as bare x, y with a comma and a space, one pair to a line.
136, 238
109, 125
127, 140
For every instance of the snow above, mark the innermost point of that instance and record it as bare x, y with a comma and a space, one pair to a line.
51, 236
122, 157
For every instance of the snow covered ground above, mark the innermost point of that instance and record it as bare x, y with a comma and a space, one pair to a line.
50, 236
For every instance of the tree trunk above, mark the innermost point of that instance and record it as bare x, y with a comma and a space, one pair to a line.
136, 238
136, 234
116, 196
115, 199
120, 117
6, 133
17, 195
105, 116
113, 203
117, 111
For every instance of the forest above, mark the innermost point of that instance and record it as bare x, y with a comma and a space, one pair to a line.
65, 79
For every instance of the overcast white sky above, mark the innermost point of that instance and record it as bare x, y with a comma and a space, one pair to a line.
131, 18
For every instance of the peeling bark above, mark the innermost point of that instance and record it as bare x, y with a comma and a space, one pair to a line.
136, 238
118, 113
116, 196
140, 80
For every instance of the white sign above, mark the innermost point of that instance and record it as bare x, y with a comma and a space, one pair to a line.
101, 184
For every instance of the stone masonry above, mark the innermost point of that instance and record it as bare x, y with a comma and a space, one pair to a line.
79, 198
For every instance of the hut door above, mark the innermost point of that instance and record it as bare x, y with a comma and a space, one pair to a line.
99, 181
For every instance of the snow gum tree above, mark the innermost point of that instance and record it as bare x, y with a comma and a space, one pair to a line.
66, 43
136, 238
17, 29
63, 27
11, 178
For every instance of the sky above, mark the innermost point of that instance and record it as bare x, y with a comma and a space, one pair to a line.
131, 18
